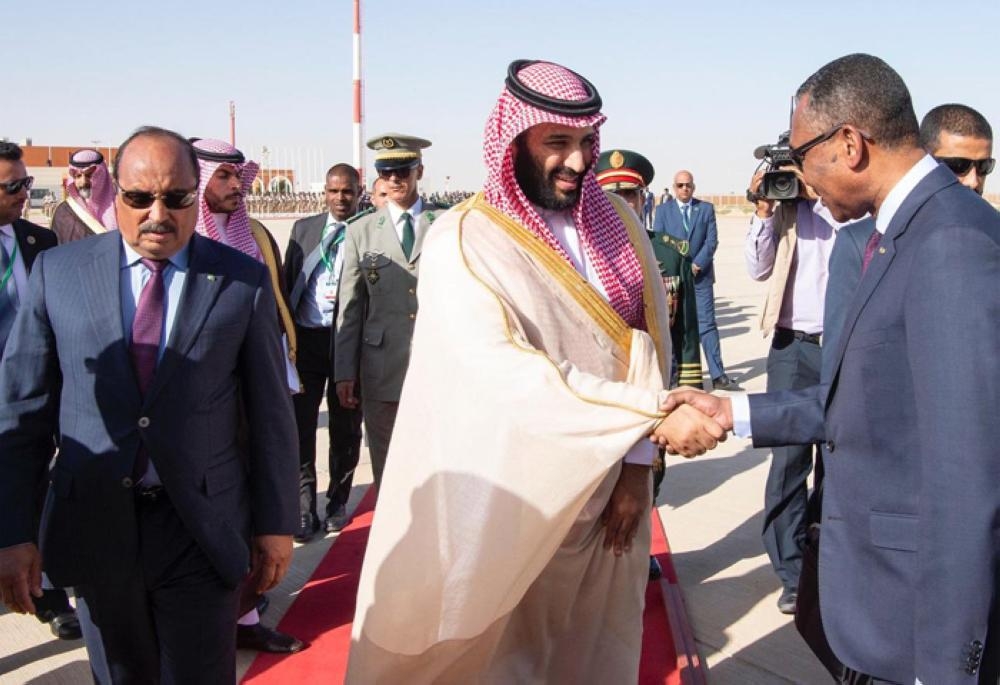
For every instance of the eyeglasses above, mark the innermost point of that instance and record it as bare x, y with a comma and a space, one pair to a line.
401, 173
684, 185
798, 154
172, 199
960, 165
14, 187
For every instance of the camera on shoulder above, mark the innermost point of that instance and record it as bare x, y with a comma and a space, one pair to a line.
780, 181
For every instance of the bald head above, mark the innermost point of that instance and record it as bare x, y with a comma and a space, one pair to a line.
684, 185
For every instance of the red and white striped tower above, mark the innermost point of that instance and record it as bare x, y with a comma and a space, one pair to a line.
359, 160
232, 123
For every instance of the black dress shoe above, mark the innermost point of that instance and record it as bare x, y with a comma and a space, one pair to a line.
787, 601
655, 572
308, 527
66, 626
724, 382
260, 638
337, 521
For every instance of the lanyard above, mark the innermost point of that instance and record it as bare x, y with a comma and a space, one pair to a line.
325, 254
10, 269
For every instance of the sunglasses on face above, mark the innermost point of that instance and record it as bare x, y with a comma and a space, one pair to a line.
960, 166
172, 199
684, 185
400, 173
798, 154
14, 187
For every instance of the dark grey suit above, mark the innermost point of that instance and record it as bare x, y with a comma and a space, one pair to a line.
315, 367
909, 551
177, 561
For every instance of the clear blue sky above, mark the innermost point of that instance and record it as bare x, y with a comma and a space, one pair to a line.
691, 85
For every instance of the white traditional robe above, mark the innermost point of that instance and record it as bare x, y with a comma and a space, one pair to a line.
524, 391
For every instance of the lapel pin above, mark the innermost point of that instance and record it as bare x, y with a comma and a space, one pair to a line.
31, 239
881, 250
211, 277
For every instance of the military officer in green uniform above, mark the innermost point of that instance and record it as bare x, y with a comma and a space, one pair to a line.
378, 292
627, 174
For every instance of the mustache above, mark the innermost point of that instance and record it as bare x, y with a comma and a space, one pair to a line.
564, 173
158, 227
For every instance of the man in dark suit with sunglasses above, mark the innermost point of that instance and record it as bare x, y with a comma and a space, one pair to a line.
960, 138
142, 348
377, 296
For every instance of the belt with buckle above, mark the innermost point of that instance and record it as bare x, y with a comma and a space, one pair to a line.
151, 495
787, 333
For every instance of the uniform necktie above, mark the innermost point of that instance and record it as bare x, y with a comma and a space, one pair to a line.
147, 328
8, 293
873, 240
330, 242
408, 237
686, 212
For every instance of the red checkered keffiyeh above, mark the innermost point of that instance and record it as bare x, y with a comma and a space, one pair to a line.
101, 204
238, 234
602, 232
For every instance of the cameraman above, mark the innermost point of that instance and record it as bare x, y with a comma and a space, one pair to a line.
789, 244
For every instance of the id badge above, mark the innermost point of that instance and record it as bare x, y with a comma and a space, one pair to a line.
330, 291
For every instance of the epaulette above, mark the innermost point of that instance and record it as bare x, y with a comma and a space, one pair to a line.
681, 246
360, 215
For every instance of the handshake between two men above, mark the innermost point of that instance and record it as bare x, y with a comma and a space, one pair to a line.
696, 422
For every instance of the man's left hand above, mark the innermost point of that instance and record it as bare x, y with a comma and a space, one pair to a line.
629, 501
272, 555
695, 269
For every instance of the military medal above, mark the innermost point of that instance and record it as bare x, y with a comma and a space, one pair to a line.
373, 276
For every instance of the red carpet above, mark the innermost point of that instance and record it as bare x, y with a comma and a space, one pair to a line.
324, 609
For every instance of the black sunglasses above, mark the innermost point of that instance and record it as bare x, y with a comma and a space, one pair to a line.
684, 185
14, 187
172, 199
798, 154
960, 165
399, 172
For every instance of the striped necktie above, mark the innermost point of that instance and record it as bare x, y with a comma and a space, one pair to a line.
686, 215
8, 293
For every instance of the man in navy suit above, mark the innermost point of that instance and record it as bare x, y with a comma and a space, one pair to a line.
144, 349
908, 567
687, 218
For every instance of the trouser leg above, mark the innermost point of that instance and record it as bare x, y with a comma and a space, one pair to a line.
379, 417
313, 366
791, 365
705, 297
345, 450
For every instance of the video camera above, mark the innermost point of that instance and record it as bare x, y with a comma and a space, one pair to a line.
779, 183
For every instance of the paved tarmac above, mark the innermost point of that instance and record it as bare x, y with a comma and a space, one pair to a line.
711, 507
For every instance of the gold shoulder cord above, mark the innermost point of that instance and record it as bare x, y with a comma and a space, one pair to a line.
547, 257
264, 243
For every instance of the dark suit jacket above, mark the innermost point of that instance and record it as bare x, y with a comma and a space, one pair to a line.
31, 239
305, 237
68, 365
909, 553
703, 238
844, 272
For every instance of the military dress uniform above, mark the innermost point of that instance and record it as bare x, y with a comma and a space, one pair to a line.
378, 299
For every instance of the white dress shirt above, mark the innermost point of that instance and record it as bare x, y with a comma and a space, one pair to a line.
396, 214
316, 307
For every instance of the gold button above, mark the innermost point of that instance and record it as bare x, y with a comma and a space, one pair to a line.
412, 291
413, 316
144, 422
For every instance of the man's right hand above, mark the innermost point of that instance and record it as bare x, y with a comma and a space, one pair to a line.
345, 395
688, 431
764, 207
719, 409
20, 577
